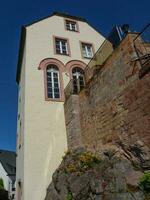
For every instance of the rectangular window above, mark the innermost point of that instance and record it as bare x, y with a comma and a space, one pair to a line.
87, 50
71, 25
61, 46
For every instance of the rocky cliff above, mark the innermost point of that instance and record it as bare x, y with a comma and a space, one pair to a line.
112, 174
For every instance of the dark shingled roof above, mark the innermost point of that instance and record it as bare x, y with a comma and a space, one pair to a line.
8, 161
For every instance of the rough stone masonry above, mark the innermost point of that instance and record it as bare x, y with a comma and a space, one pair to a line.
114, 108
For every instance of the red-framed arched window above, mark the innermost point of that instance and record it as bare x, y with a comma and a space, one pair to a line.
78, 79
53, 81
76, 72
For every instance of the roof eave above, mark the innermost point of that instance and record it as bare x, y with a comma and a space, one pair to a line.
58, 14
21, 51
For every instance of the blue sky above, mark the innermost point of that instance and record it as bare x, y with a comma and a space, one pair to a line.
101, 14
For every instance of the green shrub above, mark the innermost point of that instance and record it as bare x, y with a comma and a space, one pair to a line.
147, 197
79, 163
69, 196
145, 182
1, 184
88, 160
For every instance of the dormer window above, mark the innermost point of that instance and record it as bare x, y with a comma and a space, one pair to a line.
71, 25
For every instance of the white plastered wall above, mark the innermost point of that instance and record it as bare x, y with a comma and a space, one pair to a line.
44, 124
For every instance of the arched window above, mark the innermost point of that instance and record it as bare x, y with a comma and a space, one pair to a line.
53, 84
78, 79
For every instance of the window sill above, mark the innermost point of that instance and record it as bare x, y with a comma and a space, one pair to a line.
72, 30
87, 58
54, 100
61, 54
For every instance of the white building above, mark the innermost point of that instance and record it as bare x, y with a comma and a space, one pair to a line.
8, 171
52, 51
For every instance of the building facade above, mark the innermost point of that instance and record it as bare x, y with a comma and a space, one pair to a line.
8, 171
52, 52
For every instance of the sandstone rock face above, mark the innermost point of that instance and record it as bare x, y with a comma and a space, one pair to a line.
107, 175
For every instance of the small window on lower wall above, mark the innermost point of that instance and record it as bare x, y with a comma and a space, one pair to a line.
87, 50
53, 84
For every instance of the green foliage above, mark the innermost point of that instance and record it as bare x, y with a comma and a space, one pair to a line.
3, 194
69, 196
145, 182
147, 197
88, 160
81, 162
1, 184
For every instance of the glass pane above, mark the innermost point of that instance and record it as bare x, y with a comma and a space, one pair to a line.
83, 46
89, 51
50, 95
49, 71
55, 74
74, 80
58, 45
49, 89
55, 80
57, 41
73, 26
84, 52
81, 82
64, 51
68, 26
63, 46
57, 95
81, 77
49, 84
56, 85
75, 89
49, 79
56, 90
58, 51
63, 43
